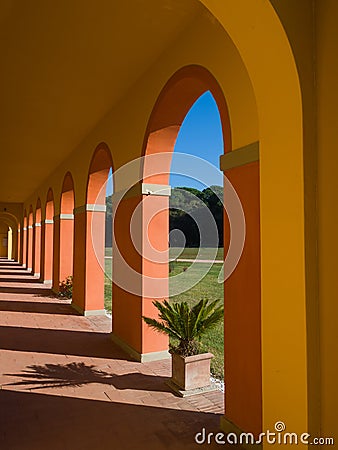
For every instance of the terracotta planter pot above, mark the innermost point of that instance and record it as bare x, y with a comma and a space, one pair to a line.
191, 375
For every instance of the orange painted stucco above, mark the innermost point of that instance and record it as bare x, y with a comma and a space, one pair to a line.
37, 240
89, 236
242, 310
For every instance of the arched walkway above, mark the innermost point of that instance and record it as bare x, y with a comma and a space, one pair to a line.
259, 79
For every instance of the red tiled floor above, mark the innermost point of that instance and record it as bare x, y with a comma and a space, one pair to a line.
65, 385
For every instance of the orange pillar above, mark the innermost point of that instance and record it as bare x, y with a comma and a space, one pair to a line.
30, 247
89, 245
19, 247
242, 318
63, 248
24, 247
46, 263
140, 273
37, 249
15, 254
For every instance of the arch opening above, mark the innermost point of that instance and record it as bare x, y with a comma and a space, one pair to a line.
64, 234
243, 395
47, 240
92, 279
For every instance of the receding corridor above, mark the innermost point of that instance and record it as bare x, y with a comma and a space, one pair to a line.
64, 385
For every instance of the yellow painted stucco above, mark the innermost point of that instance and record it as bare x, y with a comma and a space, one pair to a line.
327, 97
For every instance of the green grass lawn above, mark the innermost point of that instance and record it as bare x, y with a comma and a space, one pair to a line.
191, 253
108, 284
188, 253
209, 288
108, 251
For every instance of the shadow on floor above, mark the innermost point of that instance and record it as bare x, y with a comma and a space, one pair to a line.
8, 262
79, 374
38, 307
64, 342
62, 423
40, 292
15, 280
15, 271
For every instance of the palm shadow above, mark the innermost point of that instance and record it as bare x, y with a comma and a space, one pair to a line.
79, 374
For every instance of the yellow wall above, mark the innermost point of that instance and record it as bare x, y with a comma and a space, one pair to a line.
262, 43
327, 119
298, 21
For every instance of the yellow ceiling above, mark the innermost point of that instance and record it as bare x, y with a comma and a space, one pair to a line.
63, 65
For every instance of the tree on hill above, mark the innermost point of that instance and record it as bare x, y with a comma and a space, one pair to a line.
185, 204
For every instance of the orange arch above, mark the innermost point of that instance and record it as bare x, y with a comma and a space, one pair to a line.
244, 388
47, 238
37, 239
29, 258
100, 165
67, 200
38, 211
175, 100
49, 212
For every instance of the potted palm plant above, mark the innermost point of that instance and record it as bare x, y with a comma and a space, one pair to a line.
186, 326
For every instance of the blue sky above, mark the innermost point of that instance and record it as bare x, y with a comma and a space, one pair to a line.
200, 135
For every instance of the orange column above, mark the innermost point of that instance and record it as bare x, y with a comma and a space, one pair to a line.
46, 263
63, 248
30, 247
242, 319
15, 254
24, 247
89, 244
37, 249
19, 246
140, 273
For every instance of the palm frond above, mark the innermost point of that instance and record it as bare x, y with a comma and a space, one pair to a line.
187, 324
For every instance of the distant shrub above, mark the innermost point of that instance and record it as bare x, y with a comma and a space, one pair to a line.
171, 266
66, 287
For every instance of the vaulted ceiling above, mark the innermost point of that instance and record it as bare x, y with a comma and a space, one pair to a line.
63, 66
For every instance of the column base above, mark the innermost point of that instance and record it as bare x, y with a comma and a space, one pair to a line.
37, 274
88, 313
140, 357
228, 427
47, 281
